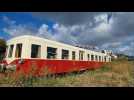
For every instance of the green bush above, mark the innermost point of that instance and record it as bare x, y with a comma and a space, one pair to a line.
1, 68
2, 48
1, 57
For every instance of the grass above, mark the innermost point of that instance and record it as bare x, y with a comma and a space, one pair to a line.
119, 73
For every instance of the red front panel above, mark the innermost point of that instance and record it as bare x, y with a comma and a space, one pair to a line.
3, 62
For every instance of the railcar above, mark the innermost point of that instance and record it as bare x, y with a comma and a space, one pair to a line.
27, 51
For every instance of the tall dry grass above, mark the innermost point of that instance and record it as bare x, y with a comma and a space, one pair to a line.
117, 73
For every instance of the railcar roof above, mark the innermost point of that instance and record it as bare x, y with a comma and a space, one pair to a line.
44, 39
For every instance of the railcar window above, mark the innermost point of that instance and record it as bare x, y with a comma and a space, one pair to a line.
6, 51
65, 54
11, 51
105, 59
51, 53
73, 55
36, 51
92, 57
88, 56
18, 50
96, 57
99, 58
81, 54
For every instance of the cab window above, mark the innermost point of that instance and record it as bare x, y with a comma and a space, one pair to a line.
18, 51
11, 51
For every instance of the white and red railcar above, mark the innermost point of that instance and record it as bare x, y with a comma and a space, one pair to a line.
24, 51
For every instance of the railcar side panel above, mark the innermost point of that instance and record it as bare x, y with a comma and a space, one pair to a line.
55, 66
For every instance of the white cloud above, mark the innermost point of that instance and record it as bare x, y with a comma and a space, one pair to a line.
64, 33
100, 18
55, 26
78, 33
113, 45
44, 31
103, 27
124, 48
127, 49
90, 30
17, 30
61, 29
8, 20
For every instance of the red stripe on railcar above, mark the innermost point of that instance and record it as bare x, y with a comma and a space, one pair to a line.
56, 66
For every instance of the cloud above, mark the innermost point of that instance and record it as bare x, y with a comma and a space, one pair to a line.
124, 48
101, 18
104, 26
67, 18
112, 45
44, 31
17, 30
116, 34
66, 34
128, 49
8, 21
87, 28
14, 29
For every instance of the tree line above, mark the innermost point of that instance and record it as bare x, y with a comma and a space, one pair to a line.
2, 48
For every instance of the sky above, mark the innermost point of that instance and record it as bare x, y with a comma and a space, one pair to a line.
104, 30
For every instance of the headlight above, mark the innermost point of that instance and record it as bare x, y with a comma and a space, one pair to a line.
21, 61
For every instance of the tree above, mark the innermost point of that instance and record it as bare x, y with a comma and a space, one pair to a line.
2, 48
